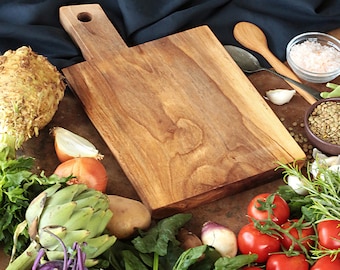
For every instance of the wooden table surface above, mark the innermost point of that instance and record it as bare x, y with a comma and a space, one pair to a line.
229, 211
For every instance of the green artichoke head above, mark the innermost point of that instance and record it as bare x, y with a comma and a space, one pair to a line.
73, 213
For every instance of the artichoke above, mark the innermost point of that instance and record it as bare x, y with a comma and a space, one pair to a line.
75, 214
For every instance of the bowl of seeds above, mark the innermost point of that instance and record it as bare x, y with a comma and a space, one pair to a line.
322, 125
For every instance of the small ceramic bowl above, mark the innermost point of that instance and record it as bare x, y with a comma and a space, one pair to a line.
322, 145
314, 57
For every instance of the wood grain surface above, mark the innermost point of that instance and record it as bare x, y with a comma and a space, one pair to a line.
184, 122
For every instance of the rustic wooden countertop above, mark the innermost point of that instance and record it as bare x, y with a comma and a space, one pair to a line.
229, 211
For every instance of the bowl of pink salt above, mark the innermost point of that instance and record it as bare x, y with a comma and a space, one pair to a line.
314, 57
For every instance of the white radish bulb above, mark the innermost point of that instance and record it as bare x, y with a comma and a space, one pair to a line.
219, 237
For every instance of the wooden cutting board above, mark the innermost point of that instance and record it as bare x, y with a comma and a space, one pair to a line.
183, 121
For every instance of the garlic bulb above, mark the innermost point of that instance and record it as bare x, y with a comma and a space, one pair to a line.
296, 184
280, 96
330, 162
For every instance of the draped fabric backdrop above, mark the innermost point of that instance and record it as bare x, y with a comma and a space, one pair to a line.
35, 23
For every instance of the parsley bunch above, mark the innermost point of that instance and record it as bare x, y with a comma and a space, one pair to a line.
18, 186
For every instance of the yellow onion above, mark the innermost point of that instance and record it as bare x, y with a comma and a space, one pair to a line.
69, 145
85, 170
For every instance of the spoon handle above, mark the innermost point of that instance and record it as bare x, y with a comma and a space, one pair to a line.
315, 93
252, 37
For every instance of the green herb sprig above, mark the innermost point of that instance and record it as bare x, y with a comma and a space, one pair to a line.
18, 186
323, 190
322, 201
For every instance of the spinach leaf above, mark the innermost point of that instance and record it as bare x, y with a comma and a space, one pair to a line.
234, 263
156, 240
298, 204
189, 257
132, 262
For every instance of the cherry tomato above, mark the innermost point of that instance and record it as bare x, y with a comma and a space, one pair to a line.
283, 262
302, 234
280, 209
251, 241
329, 234
326, 263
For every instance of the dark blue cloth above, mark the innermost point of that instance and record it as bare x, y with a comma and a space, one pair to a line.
35, 23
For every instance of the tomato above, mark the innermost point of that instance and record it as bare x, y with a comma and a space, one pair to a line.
86, 170
252, 268
302, 234
280, 209
283, 262
251, 241
329, 234
326, 263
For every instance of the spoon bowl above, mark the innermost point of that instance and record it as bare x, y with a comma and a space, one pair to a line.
250, 64
244, 59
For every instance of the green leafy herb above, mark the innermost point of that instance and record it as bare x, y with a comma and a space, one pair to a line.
132, 262
157, 248
18, 186
189, 257
324, 191
323, 198
322, 201
298, 204
235, 263
157, 238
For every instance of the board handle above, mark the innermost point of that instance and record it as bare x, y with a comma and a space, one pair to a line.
91, 30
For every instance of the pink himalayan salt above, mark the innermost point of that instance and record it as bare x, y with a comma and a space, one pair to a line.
314, 57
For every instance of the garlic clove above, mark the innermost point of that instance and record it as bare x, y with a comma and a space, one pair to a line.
320, 159
296, 184
69, 145
335, 168
280, 96
317, 154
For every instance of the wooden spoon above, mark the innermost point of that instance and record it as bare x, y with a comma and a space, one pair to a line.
252, 37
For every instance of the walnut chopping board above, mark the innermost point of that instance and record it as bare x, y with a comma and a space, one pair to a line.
183, 121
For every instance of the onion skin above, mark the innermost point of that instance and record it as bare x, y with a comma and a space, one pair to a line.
85, 170
219, 237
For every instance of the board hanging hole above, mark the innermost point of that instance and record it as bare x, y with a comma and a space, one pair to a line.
84, 17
